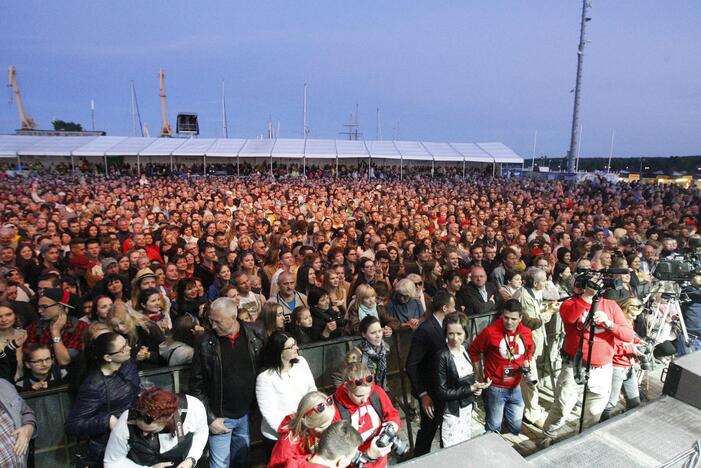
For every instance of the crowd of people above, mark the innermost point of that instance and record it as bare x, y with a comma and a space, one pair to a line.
101, 278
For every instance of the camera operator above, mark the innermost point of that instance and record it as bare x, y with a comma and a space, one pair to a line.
505, 346
610, 324
691, 311
369, 410
337, 447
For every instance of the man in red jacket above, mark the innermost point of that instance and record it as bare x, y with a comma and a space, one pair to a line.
368, 408
506, 347
610, 324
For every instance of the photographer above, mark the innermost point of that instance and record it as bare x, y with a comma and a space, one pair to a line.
506, 347
611, 324
369, 410
624, 376
337, 447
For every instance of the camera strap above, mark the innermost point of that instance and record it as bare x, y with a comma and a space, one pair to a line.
509, 350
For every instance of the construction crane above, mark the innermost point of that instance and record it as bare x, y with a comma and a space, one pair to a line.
166, 131
26, 122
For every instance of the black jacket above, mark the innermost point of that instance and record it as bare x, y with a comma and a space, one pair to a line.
99, 398
427, 341
470, 297
206, 370
453, 392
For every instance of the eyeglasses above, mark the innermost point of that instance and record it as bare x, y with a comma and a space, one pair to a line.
44, 306
362, 381
121, 350
148, 419
420, 283
41, 361
320, 408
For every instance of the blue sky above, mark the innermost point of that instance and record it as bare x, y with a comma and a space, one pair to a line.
463, 71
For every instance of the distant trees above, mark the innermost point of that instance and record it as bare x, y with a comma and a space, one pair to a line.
67, 126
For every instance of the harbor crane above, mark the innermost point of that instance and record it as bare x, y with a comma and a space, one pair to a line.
26, 122
166, 131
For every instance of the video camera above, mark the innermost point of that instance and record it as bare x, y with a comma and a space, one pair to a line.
679, 268
599, 280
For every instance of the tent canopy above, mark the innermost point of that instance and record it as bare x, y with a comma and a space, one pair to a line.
12, 146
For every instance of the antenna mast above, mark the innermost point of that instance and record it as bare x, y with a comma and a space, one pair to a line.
572, 153
353, 126
166, 131
26, 122
305, 125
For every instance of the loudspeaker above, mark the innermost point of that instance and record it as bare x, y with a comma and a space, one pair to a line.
187, 123
683, 380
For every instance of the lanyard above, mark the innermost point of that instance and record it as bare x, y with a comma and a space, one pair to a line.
508, 346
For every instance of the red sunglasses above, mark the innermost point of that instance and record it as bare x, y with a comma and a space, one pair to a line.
320, 407
358, 382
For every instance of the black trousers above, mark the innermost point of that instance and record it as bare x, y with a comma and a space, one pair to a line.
427, 430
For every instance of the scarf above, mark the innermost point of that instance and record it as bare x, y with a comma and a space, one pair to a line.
364, 311
375, 360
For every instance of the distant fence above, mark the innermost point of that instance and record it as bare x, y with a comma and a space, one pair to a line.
53, 448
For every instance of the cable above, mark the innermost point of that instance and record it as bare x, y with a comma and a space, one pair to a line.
691, 456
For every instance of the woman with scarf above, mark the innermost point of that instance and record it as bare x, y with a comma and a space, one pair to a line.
188, 301
366, 304
222, 279
373, 351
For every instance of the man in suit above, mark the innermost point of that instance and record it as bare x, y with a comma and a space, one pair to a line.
427, 341
479, 296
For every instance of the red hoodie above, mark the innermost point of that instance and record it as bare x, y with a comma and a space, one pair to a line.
574, 311
288, 453
366, 420
492, 344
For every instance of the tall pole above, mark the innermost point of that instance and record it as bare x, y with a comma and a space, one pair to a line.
579, 148
613, 135
577, 89
305, 125
535, 141
225, 124
92, 113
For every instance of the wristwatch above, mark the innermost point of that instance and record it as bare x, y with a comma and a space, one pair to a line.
57, 339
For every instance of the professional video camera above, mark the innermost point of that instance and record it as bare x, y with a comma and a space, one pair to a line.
599, 280
680, 267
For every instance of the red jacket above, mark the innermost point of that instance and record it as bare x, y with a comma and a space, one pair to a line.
492, 344
288, 453
365, 419
574, 311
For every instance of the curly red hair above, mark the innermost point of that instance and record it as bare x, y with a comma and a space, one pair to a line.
158, 404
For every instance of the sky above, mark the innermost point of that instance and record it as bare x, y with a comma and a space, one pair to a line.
458, 71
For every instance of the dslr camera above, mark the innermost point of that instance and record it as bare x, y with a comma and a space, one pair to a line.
528, 376
339, 319
388, 437
647, 360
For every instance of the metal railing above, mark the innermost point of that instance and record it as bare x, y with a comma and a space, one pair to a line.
52, 447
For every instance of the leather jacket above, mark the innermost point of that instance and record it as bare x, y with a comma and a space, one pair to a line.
206, 370
453, 392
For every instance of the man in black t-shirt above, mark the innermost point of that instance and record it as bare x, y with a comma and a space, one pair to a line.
223, 376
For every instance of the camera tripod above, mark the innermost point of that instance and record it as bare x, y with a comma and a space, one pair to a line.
666, 312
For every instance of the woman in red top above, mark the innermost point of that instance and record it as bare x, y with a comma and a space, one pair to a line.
624, 376
300, 431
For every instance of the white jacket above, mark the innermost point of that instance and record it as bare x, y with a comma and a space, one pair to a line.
279, 394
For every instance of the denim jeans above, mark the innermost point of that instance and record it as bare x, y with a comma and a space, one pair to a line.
230, 448
624, 378
503, 404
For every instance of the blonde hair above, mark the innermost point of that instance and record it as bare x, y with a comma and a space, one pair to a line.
354, 371
131, 319
627, 304
300, 424
362, 292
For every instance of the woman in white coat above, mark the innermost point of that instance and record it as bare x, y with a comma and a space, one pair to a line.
284, 379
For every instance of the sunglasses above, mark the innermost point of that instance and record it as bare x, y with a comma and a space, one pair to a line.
321, 407
362, 381
147, 418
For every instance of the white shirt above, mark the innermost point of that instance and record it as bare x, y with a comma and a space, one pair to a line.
195, 422
279, 394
